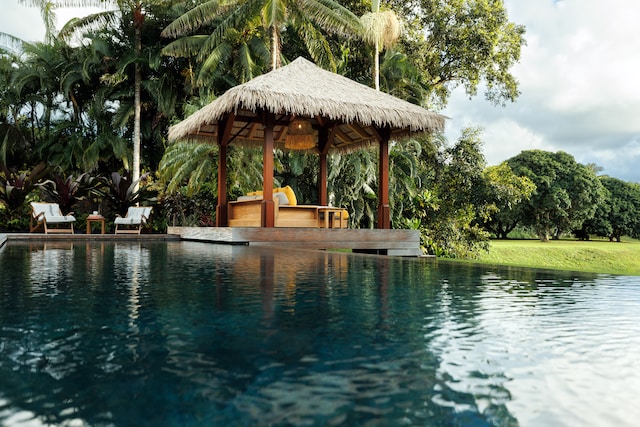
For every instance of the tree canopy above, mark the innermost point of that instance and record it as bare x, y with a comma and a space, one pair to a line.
566, 193
619, 213
469, 43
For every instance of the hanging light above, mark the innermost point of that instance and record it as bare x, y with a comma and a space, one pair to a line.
299, 135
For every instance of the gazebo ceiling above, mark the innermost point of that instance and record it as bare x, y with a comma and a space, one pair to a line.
351, 112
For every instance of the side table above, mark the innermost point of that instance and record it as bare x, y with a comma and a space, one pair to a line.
326, 215
96, 219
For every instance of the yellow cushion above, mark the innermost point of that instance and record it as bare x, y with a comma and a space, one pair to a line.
288, 191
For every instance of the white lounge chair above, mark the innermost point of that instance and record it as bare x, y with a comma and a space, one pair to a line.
136, 218
47, 215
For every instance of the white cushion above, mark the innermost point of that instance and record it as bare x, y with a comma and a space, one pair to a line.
52, 212
135, 215
249, 198
282, 198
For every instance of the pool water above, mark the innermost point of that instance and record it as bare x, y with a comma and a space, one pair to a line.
193, 334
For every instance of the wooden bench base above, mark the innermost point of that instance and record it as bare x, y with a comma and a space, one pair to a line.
249, 213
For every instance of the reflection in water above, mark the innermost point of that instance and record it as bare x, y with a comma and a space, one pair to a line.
197, 334
50, 267
132, 261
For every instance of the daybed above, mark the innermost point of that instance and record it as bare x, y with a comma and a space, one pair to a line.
247, 212
47, 214
136, 218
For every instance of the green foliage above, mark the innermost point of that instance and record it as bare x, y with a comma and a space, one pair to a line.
239, 32
16, 186
119, 192
197, 210
462, 42
449, 197
191, 167
16, 220
188, 165
68, 191
505, 190
567, 193
619, 213
353, 180
300, 171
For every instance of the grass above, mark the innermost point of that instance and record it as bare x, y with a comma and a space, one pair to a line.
596, 256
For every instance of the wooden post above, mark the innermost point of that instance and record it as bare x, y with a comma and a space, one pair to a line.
384, 210
323, 148
221, 208
268, 213
224, 130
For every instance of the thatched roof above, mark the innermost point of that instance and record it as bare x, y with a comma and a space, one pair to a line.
352, 111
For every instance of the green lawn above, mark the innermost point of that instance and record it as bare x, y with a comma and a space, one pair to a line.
593, 256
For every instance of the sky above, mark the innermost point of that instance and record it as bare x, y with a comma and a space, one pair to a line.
579, 78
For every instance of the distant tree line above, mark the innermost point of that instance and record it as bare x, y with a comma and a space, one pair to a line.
568, 198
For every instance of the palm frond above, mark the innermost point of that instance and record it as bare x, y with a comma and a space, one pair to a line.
274, 13
187, 162
245, 60
217, 58
318, 46
185, 46
79, 26
11, 45
381, 28
195, 18
331, 16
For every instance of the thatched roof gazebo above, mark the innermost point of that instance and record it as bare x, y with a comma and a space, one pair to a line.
301, 106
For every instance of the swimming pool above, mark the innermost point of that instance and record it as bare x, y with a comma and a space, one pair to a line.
191, 334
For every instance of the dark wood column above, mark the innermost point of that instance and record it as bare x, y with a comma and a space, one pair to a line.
268, 213
224, 130
323, 148
384, 210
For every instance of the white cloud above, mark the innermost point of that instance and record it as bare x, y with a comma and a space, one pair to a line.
580, 93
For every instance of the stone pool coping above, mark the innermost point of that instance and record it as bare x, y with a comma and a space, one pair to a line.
28, 237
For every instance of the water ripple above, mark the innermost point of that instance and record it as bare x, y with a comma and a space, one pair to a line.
191, 334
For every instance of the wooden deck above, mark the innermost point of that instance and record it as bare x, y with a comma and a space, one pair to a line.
384, 242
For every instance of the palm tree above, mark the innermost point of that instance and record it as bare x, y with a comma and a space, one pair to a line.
48, 14
189, 166
353, 179
37, 81
306, 17
135, 9
381, 29
48, 7
239, 56
125, 21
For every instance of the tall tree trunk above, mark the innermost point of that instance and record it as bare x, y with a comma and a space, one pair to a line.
275, 48
138, 21
376, 64
136, 126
